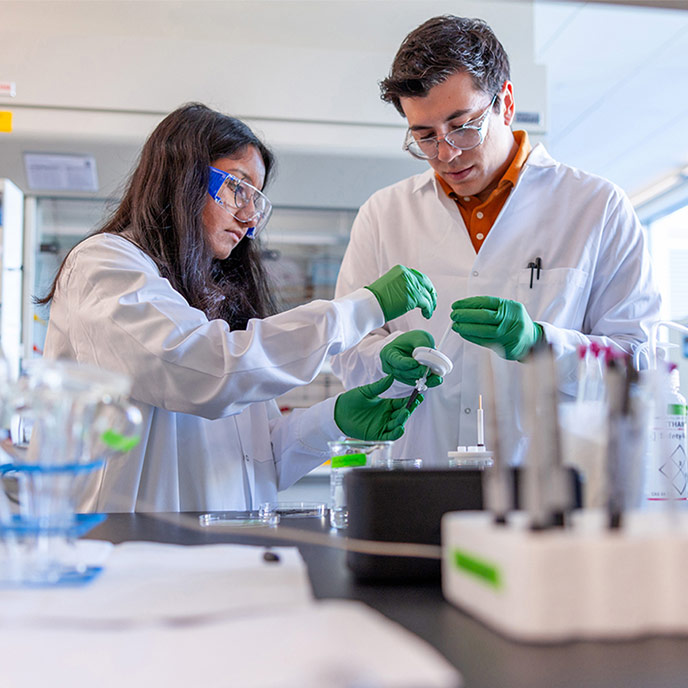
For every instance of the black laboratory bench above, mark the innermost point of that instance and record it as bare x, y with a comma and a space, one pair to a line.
486, 659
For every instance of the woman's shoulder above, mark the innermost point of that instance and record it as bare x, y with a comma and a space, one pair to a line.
107, 247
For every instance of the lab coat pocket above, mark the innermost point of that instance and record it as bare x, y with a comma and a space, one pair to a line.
558, 297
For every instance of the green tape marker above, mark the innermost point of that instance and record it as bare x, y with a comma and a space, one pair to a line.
347, 460
488, 573
119, 442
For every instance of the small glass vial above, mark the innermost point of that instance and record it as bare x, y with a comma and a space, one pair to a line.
348, 455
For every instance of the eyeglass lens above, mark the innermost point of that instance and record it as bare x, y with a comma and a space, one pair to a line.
459, 138
465, 137
248, 202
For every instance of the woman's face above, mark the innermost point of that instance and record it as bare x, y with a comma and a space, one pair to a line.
223, 231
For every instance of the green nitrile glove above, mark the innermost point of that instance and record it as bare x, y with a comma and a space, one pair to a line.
361, 414
397, 359
402, 289
500, 324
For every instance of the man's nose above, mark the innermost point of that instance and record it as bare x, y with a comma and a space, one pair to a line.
446, 152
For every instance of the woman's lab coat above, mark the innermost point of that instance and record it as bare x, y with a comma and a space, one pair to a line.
595, 285
213, 437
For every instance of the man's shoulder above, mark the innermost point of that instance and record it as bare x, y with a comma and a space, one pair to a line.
546, 166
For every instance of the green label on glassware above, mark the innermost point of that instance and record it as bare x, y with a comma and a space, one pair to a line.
347, 460
479, 568
677, 409
118, 442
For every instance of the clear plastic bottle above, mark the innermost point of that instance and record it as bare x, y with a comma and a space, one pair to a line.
666, 476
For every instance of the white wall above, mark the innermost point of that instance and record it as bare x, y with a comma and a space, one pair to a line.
97, 76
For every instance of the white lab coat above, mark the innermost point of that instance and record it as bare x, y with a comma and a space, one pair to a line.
595, 285
213, 438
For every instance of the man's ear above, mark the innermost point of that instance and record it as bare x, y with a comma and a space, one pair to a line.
509, 105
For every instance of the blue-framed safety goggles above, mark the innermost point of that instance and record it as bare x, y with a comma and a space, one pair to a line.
240, 199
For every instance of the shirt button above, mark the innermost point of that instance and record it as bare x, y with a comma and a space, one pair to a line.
467, 410
475, 273
479, 215
467, 198
480, 236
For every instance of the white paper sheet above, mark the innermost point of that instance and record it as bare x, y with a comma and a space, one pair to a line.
216, 616
147, 582
332, 644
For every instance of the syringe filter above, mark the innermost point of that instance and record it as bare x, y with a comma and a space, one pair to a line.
438, 363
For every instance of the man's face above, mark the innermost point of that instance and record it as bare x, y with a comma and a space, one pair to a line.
446, 107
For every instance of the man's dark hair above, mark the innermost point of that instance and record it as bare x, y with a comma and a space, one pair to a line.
441, 47
161, 212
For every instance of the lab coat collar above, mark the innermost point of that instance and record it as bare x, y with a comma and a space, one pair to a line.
421, 180
539, 157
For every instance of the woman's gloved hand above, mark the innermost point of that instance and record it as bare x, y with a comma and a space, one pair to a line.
402, 289
500, 324
397, 359
361, 414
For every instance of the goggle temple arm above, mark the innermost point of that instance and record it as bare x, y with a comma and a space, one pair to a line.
216, 180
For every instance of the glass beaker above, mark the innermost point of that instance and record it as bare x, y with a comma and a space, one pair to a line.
345, 456
61, 422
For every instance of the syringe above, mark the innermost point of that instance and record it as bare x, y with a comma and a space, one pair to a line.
434, 360
419, 387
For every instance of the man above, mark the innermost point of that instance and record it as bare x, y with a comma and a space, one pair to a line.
519, 246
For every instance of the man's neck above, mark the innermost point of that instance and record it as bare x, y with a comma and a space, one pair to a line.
483, 195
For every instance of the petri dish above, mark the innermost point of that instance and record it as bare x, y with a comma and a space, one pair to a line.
404, 464
294, 509
238, 519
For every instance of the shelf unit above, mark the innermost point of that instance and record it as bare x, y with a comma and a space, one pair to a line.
11, 272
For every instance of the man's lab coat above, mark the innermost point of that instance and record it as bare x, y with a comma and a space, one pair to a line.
595, 285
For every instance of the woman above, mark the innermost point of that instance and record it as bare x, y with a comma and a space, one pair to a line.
171, 292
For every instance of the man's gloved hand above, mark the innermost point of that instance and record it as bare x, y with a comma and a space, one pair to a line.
402, 289
397, 359
500, 324
361, 414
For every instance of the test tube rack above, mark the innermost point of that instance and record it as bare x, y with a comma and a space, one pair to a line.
580, 582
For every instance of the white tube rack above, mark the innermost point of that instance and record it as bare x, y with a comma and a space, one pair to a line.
582, 582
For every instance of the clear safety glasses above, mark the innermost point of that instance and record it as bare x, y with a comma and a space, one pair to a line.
466, 137
240, 199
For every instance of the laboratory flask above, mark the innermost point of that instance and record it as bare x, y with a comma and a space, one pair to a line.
61, 421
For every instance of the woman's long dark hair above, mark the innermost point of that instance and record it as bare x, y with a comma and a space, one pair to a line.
162, 208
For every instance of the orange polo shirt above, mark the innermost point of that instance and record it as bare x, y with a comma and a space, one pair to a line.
480, 216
